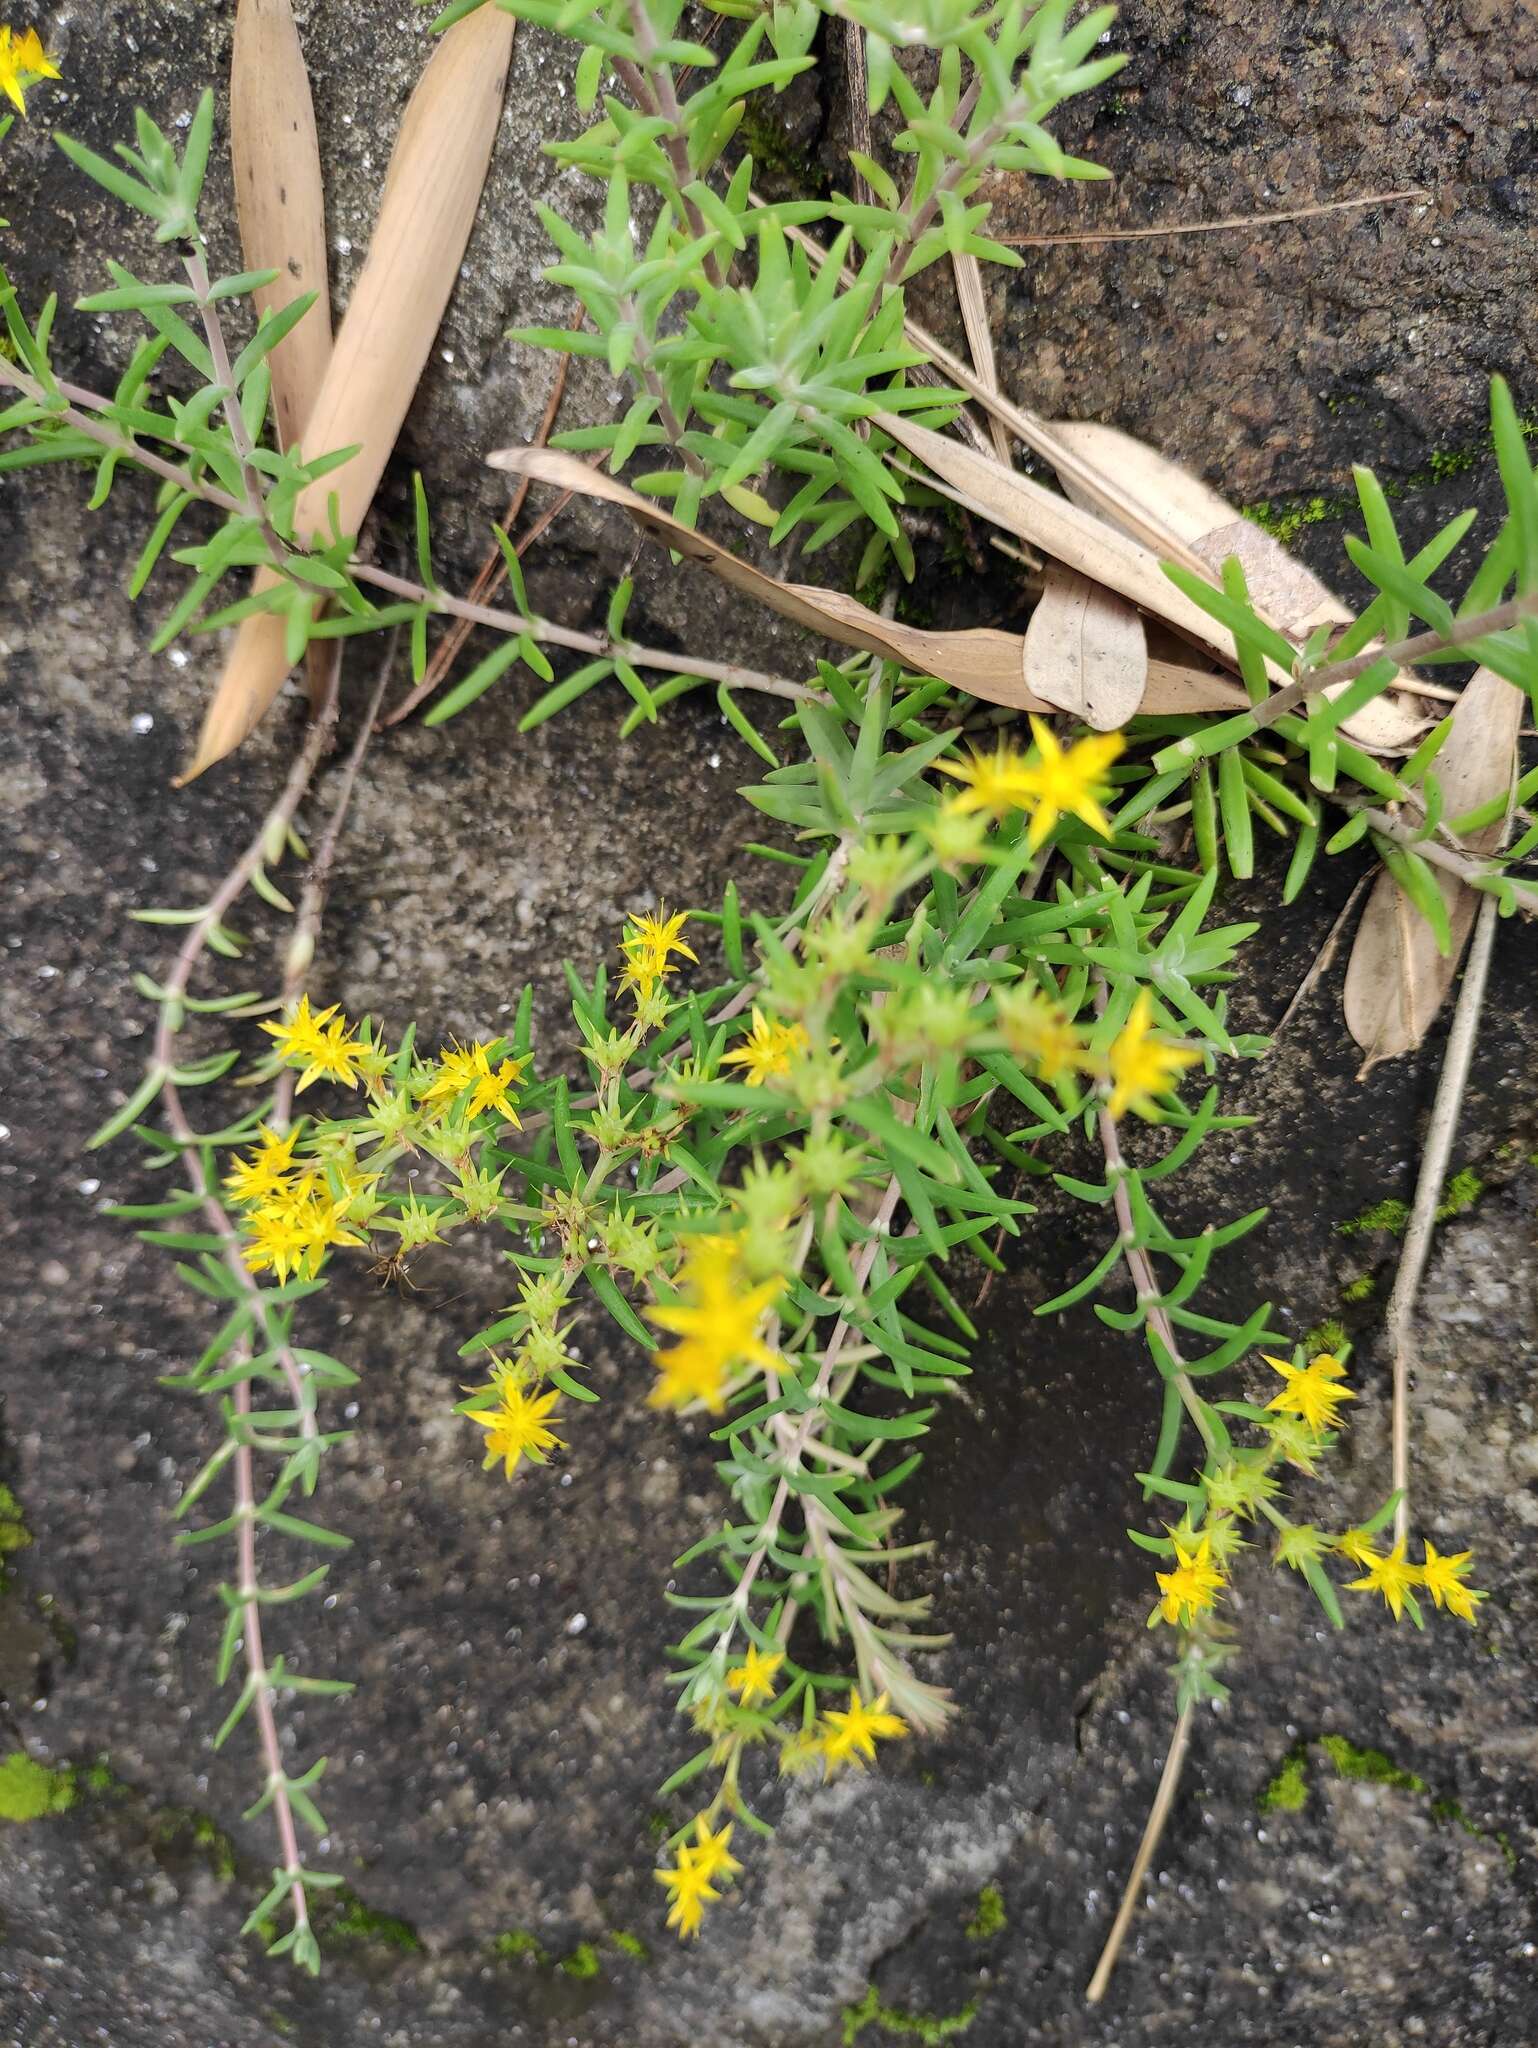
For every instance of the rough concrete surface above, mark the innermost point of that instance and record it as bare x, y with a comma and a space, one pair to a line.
496, 1769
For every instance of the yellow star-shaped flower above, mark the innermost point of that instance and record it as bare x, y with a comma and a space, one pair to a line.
23, 61
1191, 1587
850, 1734
1143, 1065
753, 1679
1392, 1576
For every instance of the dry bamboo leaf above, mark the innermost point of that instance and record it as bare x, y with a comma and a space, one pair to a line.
1285, 593
981, 661
1189, 507
1086, 651
280, 197
1062, 530
1396, 980
426, 212
1085, 648
431, 193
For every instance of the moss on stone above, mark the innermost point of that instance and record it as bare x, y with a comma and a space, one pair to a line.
354, 1921
927, 2028
14, 1533
1287, 1791
514, 1942
181, 1829
1460, 1192
990, 1917
1329, 1335
30, 1790
1362, 1288
769, 144
630, 1945
1369, 1766
584, 1961
1285, 518
1390, 1215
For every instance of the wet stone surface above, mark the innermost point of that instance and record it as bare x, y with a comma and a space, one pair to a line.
495, 1773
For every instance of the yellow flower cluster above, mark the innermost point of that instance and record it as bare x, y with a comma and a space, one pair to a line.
752, 1681
767, 1051
648, 945
692, 1882
843, 1735
295, 1209
463, 1068
23, 61
839, 1737
1306, 1410
1143, 1065
1396, 1578
1312, 1392
718, 1320
1048, 783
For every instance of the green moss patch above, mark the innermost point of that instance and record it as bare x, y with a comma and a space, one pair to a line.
927, 2028
14, 1533
518, 1941
990, 1918
1287, 1791
29, 1791
1459, 1193
353, 1921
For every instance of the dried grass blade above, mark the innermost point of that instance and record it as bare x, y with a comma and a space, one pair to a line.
973, 301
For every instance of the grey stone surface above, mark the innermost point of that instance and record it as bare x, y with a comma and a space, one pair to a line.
495, 1771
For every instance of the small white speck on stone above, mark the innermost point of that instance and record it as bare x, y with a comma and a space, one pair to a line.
179, 657
87, 1187
576, 1625
714, 760
141, 723
447, 354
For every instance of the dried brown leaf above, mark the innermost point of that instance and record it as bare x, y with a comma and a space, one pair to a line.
973, 301
1062, 530
1396, 980
1086, 651
280, 197
430, 197
982, 661
1286, 593
431, 193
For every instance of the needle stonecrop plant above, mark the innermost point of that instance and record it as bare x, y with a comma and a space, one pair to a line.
1003, 960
